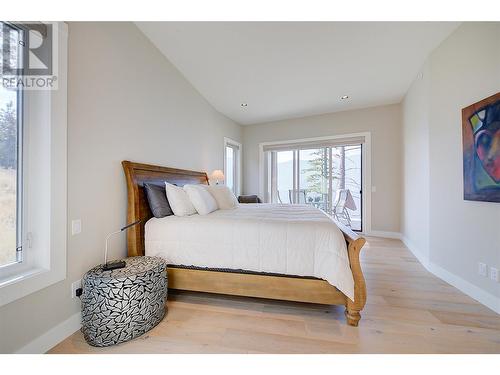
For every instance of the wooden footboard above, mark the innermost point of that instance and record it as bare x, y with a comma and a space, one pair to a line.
263, 286
354, 244
353, 309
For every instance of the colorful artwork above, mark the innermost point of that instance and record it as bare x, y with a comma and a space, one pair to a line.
481, 148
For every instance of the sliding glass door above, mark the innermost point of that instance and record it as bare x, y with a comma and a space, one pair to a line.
314, 172
347, 185
326, 177
285, 183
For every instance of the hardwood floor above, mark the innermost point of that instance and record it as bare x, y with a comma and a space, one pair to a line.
408, 311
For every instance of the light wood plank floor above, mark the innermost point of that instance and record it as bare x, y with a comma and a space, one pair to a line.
408, 311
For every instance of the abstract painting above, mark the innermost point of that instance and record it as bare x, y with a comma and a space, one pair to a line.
481, 150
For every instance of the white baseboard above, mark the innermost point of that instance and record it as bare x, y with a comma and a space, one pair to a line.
382, 234
422, 258
473, 291
487, 299
54, 336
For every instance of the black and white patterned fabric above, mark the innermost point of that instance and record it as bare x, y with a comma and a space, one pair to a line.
121, 304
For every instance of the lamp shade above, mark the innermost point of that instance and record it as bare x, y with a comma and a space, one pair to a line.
217, 175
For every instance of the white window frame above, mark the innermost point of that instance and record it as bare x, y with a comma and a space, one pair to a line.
44, 187
237, 148
265, 173
10, 270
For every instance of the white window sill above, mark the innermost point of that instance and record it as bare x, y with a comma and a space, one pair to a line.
6, 281
28, 282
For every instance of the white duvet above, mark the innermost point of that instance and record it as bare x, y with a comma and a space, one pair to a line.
276, 238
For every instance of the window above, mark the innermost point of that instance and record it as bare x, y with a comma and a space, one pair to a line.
11, 160
326, 173
33, 169
232, 165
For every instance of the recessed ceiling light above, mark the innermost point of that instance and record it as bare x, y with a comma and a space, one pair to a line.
244, 104
343, 97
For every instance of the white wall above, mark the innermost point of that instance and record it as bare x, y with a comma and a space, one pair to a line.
383, 122
415, 188
125, 101
464, 69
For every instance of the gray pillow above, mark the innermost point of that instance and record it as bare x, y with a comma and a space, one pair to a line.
157, 199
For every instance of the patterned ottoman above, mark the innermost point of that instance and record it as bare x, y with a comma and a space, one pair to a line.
121, 304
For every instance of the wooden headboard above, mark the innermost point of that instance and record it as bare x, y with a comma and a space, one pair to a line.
136, 175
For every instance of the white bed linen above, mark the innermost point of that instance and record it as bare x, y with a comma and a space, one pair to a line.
277, 238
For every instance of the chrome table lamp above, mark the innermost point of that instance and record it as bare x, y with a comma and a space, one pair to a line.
117, 263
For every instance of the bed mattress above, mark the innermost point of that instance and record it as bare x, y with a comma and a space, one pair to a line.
285, 239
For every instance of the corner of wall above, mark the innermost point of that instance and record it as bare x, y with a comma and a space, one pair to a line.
55, 335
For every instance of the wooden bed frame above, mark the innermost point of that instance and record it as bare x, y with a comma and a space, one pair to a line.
241, 284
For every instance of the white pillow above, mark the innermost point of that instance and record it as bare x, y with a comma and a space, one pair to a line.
224, 197
179, 201
201, 199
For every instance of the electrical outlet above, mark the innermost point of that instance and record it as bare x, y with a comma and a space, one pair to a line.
74, 286
76, 227
482, 269
494, 274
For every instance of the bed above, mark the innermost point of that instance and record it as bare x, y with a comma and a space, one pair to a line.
284, 252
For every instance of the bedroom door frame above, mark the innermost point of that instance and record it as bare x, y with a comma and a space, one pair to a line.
366, 170
237, 162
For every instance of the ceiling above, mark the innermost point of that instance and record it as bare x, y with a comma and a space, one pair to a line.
293, 69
